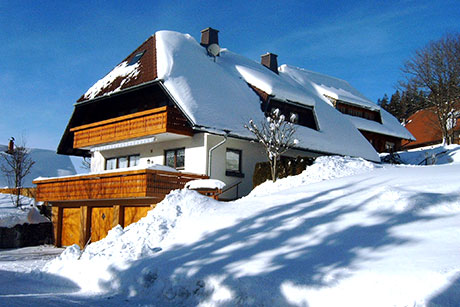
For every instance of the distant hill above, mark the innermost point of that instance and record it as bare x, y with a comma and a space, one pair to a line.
47, 164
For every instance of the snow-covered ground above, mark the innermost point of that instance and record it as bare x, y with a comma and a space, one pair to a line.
345, 232
27, 212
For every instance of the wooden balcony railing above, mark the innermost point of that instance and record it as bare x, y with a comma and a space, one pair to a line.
140, 124
145, 183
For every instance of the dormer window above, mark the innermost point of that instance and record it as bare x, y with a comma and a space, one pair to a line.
136, 58
295, 113
356, 111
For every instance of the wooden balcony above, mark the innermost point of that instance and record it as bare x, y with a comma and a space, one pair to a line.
136, 125
145, 183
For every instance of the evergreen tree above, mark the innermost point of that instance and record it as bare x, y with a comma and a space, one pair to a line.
383, 102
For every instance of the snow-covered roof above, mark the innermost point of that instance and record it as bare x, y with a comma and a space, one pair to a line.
214, 93
123, 70
323, 85
389, 126
219, 93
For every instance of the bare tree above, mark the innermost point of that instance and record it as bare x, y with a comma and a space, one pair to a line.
86, 164
276, 135
16, 165
435, 71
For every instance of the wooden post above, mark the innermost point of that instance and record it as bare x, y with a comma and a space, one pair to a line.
118, 216
56, 218
85, 225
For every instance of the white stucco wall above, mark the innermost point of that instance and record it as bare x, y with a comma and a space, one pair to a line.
196, 158
153, 153
251, 154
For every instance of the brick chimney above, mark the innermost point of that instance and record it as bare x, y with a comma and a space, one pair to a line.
270, 61
11, 146
209, 36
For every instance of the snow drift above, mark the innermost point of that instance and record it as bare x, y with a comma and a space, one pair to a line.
373, 235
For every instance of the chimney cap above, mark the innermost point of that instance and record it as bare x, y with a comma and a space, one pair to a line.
269, 53
209, 29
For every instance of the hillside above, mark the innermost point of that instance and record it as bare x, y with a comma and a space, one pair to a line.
345, 232
47, 164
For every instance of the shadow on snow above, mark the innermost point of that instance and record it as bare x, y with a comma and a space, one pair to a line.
284, 244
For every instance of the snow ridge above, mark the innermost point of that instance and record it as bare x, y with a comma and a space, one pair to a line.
324, 168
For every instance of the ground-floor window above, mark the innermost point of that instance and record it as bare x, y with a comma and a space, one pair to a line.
233, 160
122, 162
175, 157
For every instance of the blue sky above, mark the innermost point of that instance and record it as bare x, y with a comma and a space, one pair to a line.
53, 51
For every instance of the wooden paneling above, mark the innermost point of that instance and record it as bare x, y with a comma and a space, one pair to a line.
378, 140
145, 123
134, 214
29, 192
101, 222
70, 226
117, 185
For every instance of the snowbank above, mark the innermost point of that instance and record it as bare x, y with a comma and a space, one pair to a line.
10, 215
372, 236
324, 168
437, 154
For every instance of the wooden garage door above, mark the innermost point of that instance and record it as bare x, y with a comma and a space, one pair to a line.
101, 222
134, 214
70, 226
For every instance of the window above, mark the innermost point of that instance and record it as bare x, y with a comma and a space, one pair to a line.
358, 111
136, 58
122, 162
111, 164
133, 160
300, 115
175, 158
233, 163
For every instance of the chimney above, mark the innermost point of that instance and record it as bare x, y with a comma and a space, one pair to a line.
270, 61
209, 36
11, 146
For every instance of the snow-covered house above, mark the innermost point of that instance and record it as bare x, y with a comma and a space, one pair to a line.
177, 103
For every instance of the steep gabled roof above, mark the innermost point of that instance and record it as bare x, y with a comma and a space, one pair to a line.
128, 73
